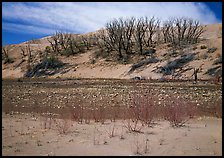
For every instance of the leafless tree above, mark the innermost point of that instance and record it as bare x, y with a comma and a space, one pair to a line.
128, 31
166, 31
64, 40
29, 54
181, 24
197, 31
66, 44
152, 25
115, 30
139, 35
86, 41
122, 35
104, 41
93, 39
5, 52
54, 41
118, 36
182, 31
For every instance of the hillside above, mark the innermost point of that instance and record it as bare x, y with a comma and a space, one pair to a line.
85, 65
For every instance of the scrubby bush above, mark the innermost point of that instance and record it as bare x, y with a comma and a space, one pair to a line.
214, 71
218, 61
7, 60
48, 50
177, 63
150, 52
212, 50
142, 111
5, 55
173, 54
63, 125
47, 63
143, 62
203, 47
51, 62
178, 111
205, 56
194, 48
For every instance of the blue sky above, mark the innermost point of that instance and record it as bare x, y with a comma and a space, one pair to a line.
23, 21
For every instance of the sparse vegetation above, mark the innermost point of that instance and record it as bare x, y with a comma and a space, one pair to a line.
218, 61
205, 56
47, 64
124, 37
143, 63
214, 71
67, 110
178, 112
203, 47
5, 55
175, 64
66, 44
63, 125
212, 50
148, 105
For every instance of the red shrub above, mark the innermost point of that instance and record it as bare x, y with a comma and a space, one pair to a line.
178, 111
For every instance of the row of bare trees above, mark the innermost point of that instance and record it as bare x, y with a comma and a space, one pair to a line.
181, 31
68, 44
126, 36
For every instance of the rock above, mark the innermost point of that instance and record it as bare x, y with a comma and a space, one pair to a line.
137, 78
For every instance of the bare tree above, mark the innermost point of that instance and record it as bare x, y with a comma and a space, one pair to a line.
182, 31
197, 31
54, 41
5, 52
93, 40
5, 55
115, 31
139, 35
64, 40
151, 25
128, 31
28, 51
104, 41
71, 44
166, 31
182, 26
86, 41
122, 35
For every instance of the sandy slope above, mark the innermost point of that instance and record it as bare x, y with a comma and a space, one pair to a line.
80, 65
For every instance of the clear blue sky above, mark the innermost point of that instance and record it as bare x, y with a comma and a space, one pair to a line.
23, 21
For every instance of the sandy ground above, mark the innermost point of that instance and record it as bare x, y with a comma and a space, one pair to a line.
25, 134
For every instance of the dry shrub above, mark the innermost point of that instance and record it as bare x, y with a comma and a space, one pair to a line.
78, 113
47, 120
213, 109
63, 125
87, 115
178, 111
218, 109
114, 112
141, 112
111, 130
203, 47
98, 114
